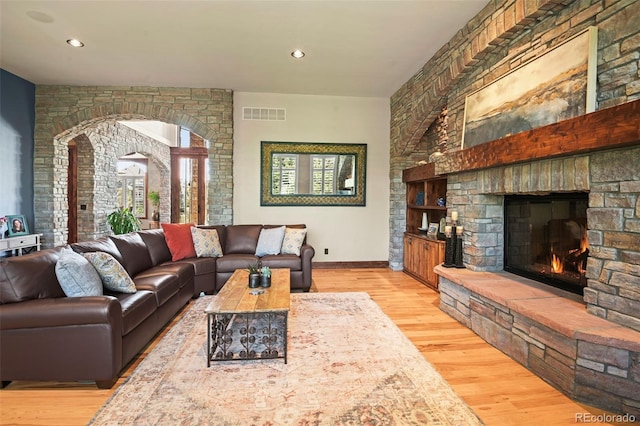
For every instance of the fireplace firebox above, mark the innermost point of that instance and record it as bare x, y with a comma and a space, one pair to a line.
546, 238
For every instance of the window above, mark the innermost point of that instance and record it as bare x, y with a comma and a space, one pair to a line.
132, 184
284, 173
323, 176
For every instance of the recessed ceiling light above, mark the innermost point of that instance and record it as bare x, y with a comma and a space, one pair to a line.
75, 43
297, 54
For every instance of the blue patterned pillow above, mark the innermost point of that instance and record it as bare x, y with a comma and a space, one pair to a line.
206, 242
270, 241
293, 239
113, 275
77, 276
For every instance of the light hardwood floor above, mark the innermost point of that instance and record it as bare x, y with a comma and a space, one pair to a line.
498, 389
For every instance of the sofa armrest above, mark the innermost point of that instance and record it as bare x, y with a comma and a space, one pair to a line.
62, 311
306, 254
62, 339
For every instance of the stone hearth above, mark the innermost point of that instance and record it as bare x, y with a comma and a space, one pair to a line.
549, 332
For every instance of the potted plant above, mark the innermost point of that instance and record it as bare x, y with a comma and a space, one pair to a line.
254, 275
123, 221
265, 277
154, 197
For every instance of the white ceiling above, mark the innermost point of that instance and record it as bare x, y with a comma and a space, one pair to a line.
354, 47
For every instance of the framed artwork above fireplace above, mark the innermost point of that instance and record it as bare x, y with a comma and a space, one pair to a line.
556, 86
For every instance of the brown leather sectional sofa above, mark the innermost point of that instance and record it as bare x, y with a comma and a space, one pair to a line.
46, 336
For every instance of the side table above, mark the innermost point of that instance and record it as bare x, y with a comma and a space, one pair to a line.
17, 244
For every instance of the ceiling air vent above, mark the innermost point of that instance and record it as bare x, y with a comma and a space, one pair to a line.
270, 114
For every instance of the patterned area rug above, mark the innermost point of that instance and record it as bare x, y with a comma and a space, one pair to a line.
348, 364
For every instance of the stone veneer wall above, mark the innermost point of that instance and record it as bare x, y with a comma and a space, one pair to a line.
501, 37
99, 147
504, 35
64, 112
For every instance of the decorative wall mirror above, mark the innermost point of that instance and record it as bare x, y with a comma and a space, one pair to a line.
313, 174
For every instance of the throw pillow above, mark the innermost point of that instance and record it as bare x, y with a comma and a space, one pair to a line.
270, 241
179, 240
206, 242
293, 239
77, 276
113, 275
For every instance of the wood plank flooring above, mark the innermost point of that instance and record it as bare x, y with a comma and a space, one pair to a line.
498, 389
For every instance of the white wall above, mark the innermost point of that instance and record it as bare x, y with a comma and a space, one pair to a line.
350, 233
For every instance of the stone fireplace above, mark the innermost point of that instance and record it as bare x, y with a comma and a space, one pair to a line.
587, 346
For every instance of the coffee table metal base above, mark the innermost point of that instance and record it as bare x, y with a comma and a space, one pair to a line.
246, 336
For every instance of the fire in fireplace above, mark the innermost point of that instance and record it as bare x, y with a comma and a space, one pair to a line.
546, 238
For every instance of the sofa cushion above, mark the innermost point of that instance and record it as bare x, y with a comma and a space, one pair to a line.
103, 244
30, 277
179, 240
293, 239
290, 261
134, 252
206, 242
231, 262
114, 276
156, 245
242, 239
77, 276
201, 265
163, 286
270, 241
183, 269
136, 307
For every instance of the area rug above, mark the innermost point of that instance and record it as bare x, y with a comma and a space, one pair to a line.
348, 364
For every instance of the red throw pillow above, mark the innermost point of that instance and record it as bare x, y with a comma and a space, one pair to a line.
179, 240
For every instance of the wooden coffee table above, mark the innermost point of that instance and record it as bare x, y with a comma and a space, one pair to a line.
245, 326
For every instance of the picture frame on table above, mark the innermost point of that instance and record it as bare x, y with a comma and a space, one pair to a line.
432, 231
17, 225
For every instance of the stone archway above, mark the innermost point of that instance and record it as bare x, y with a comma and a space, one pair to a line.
97, 174
63, 112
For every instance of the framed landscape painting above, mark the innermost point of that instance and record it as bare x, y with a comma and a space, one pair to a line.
556, 86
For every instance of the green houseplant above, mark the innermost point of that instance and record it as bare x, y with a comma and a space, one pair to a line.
265, 277
154, 197
123, 221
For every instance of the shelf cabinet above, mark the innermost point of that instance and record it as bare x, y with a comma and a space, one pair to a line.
422, 253
422, 197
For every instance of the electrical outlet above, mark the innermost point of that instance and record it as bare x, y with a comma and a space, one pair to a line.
326, 251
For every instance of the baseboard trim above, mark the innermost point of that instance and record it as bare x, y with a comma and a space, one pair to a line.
351, 265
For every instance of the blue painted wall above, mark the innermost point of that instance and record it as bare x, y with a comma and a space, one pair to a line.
17, 118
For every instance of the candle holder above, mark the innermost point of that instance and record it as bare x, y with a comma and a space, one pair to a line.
449, 247
458, 250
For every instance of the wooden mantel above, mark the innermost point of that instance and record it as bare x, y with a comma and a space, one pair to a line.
609, 128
